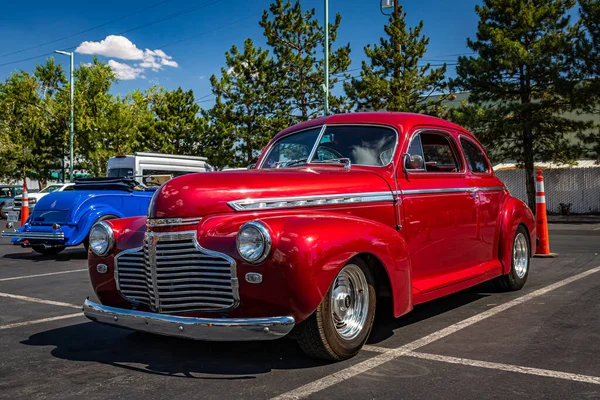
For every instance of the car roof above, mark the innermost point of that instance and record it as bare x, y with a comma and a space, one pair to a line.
402, 121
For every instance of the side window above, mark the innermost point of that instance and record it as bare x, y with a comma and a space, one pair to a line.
475, 158
437, 152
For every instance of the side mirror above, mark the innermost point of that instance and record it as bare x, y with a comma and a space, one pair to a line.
414, 161
251, 166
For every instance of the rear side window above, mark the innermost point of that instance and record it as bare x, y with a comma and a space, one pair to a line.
475, 158
437, 152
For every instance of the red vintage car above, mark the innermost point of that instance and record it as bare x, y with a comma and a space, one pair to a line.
338, 213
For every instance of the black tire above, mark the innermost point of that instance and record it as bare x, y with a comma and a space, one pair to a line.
317, 335
86, 241
513, 280
47, 251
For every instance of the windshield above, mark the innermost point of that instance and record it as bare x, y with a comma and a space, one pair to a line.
6, 192
120, 173
361, 145
50, 189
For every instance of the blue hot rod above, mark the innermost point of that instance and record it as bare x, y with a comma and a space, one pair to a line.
64, 219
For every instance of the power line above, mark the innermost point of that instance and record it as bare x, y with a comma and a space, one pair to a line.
168, 17
86, 30
208, 31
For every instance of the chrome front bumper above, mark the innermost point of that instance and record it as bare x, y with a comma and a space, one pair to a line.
209, 329
34, 235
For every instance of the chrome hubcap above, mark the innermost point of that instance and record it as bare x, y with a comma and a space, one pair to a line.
350, 302
520, 255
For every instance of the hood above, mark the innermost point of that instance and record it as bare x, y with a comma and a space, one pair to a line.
197, 195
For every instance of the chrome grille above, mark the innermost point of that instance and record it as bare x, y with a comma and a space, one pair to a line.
171, 273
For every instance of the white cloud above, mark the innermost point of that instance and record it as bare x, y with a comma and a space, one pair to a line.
125, 72
112, 46
122, 48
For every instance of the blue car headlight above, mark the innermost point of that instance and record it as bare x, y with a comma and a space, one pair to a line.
102, 239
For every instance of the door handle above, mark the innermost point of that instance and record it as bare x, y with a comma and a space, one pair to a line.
473, 194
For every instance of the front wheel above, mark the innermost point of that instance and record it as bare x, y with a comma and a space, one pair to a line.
47, 251
519, 271
340, 326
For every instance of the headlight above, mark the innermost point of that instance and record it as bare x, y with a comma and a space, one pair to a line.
32, 200
9, 203
253, 242
102, 239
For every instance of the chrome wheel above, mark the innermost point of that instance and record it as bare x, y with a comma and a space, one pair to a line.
520, 255
350, 302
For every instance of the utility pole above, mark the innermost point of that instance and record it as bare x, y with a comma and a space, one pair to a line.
71, 121
326, 50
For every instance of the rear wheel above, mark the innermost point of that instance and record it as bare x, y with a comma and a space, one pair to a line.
340, 326
47, 251
519, 270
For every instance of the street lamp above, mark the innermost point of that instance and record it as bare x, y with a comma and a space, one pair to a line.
71, 122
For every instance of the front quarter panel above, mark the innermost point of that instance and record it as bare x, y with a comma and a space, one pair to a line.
308, 251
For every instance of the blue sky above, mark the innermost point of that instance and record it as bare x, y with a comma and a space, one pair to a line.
214, 26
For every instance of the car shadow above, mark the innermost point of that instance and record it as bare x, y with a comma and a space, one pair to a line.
161, 355
386, 324
76, 253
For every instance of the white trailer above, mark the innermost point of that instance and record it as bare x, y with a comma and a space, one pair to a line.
145, 164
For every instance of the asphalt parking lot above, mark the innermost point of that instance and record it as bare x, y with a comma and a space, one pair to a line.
541, 342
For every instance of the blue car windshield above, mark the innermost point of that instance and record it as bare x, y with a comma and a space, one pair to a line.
6, 191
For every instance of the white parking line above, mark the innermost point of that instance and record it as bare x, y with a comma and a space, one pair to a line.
36, 300
39, 321
507, 367
364, 366
48, 274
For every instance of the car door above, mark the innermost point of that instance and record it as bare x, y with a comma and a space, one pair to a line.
439, 208
490, 196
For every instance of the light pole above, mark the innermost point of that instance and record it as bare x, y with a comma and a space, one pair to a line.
71, 122
326, 50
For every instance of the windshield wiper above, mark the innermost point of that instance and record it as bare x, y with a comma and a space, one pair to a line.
341, 160
281, 164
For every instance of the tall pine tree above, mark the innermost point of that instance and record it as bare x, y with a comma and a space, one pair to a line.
394, 78
587, 56
246, 114
296, 39
520, 77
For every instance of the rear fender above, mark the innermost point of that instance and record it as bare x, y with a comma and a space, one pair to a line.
515, 213
308, 251
87, 219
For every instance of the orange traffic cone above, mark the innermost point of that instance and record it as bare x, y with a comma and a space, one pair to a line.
25, 205
541, 221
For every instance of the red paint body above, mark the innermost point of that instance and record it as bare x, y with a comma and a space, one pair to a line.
429, 244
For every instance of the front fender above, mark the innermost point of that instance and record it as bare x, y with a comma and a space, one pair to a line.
514, 213
308, 251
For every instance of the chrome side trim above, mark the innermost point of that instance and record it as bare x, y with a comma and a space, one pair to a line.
210, 329
452, 190
156, 222
34, 235
309, 201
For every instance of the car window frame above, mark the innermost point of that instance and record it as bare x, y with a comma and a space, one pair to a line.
320, 136
481, 149
456, 150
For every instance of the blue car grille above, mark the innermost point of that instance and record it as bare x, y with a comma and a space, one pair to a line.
171, 273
